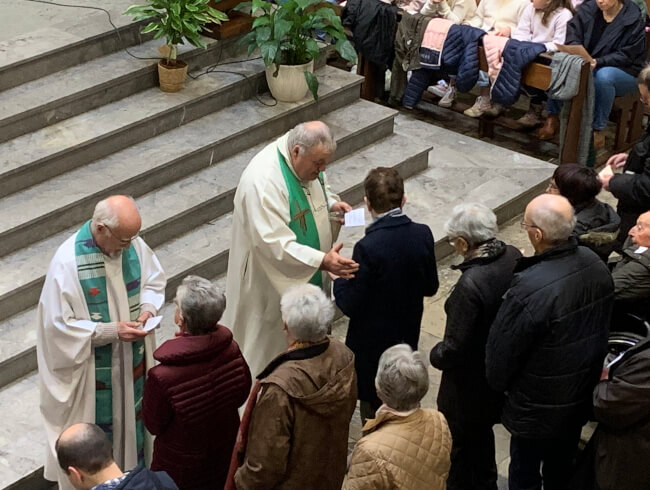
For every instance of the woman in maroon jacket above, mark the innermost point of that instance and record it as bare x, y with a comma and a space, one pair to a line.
191, 399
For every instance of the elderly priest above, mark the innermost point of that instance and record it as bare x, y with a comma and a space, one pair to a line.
102, 284
281, 235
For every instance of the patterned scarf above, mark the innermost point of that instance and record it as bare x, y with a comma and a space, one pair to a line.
92, 277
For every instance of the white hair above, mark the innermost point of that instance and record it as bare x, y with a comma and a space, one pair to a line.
555, 227
472, 221
307, 137
307, 312
106, 214
402, 379
201, 303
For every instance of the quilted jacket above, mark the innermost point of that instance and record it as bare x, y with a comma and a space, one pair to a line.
460, 55
407, 452
516, 56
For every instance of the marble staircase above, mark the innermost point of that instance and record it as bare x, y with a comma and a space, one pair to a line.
74, 132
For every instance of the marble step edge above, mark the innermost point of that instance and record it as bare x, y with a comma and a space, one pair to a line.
57, 217
181, 218
62, 57
192, 253
204, 97
104, 90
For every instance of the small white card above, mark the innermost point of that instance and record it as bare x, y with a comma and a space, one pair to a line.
641, 250
152, 323
356, 217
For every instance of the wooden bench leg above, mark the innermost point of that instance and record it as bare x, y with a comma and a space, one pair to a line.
485, 128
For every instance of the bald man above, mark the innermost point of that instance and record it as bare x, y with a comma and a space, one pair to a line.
102, 285
281, 236
547, 344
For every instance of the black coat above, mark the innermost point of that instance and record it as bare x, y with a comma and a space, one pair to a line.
397, 269
464, 396
597, 226
621, 44
373, 24
546, 346
140, 478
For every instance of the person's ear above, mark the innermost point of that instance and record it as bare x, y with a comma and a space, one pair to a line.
463, 244
76, 477
295, 151
367, 203
403, 200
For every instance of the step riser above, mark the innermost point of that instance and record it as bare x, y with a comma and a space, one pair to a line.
74, 54
27, 295
63, 218
112, 90
75, 157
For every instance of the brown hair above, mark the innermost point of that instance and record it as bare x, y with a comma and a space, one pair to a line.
553, 6
384, 189
644, 77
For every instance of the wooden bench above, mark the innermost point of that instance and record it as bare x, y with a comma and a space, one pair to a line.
627, 113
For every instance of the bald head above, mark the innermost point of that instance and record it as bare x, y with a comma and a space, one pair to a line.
84, 447
116, 220
551, 215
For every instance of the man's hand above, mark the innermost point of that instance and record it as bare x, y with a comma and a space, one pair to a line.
339, 265
341, 208
503, 31
618, 160
605, 176
144, 316
129, 331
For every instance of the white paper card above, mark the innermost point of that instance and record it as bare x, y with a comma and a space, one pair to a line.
356, 217
152, 323
641, 250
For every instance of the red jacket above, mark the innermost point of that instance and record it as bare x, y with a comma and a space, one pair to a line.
190, 403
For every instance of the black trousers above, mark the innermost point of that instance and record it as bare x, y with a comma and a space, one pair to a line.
554, 456
473, 464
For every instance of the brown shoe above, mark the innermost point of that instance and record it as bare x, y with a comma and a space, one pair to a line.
551, 125
599, 140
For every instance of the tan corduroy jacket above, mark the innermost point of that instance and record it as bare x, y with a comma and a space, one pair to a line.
406, 452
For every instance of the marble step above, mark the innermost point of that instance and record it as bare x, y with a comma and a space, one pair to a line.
189, 201
204, 249
35, 157
72, 91
59, 202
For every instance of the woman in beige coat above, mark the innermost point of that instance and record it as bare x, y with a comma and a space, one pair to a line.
405, 446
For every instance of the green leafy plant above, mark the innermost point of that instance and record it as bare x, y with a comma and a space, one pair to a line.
285, 33
176, 20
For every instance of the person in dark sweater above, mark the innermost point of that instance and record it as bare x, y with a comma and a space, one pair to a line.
191, 398
397, 269
546, 346
86, 455
469, 404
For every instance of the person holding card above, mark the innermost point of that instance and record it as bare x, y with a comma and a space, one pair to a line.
103, 283
281, 236
397, 269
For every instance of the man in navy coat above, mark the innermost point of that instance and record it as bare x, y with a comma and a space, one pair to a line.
397, 269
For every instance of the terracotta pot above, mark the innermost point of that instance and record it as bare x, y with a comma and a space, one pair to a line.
290, 84
172, 77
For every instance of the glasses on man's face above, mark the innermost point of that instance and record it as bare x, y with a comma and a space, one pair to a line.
525, 226
122, 241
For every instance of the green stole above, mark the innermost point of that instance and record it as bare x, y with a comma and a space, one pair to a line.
92, 277
301, 220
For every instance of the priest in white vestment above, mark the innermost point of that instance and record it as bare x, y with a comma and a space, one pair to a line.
281, 235
102, 284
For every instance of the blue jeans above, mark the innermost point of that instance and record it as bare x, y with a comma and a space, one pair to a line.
483, 79
609, 82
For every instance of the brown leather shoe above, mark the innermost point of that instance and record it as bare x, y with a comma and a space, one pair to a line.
599, 140
550, 128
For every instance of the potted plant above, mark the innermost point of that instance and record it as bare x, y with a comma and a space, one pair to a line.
285, 34
175, 20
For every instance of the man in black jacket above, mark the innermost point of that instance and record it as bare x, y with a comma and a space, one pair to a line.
397, 269
546, 346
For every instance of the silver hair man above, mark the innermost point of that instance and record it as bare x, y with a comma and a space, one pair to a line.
472, 221
556, 224
402, 379
306, 312
106, 213
306, 135
201, 304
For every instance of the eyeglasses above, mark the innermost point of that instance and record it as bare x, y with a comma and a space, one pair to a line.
552, 186
123, 241
525, 226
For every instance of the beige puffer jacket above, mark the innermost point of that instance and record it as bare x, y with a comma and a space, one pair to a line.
402, 452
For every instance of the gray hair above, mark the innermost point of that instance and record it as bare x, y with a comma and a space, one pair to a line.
201, 303
106, 214
555, 227
472, 221
402, 379
307, 312
308, 137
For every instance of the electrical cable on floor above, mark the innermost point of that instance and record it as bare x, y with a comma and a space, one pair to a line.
208, 70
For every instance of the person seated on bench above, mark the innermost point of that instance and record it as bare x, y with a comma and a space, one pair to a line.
457, 11
543, 21
596, 222
613, 33
499, 18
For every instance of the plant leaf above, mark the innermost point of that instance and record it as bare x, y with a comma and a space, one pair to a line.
346, 50
312, 48
257, 5
280, 29
263, 33
150, 27
312, 83
261, 21
243, 6
269, 50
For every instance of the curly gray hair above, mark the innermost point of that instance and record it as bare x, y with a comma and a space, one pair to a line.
402, 379
306, 312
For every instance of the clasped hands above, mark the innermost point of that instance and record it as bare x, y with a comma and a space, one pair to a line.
132, 331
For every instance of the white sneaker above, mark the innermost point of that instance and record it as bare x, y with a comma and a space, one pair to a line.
440, 89
449, 97
481, 105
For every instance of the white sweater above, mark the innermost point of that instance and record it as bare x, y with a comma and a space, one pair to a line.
530, 27
493, 14
457, 11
